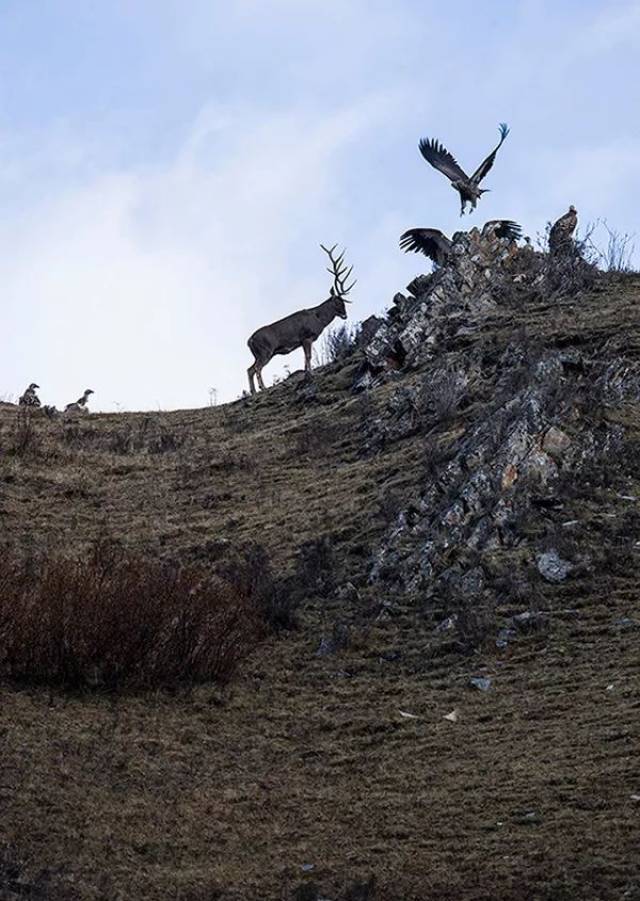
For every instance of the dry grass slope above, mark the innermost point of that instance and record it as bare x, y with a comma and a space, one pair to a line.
305, 760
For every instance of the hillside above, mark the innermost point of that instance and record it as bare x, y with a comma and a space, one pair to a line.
456, 498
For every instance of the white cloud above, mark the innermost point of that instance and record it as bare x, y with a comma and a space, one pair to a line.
145, 285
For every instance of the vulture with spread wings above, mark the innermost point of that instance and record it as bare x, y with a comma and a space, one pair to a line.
435, 245
467, 187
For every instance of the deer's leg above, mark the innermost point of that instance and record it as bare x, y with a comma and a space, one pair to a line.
251, 371
307, 346
259, 374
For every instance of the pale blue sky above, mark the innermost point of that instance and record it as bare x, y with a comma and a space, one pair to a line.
167, 169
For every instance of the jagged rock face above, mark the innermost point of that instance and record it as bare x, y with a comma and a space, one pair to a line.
458, 295
525, 436
501, 467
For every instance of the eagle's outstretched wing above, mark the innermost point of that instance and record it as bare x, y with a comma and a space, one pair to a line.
486, 165
440, 158
429, 241
505, 228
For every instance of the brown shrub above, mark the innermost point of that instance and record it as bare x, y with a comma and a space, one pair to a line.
114, 619
25, 439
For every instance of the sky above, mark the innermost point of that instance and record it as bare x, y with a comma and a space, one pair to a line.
168, 168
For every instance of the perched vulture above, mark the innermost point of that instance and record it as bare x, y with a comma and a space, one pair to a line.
561, 232
467, 187
30, 398
80, 405
435, 245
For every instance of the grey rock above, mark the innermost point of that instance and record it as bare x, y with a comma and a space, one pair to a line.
505, 637
447, 624
552, 567
556, 442
530, 620
482, 683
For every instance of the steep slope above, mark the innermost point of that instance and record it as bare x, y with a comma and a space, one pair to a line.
460, 499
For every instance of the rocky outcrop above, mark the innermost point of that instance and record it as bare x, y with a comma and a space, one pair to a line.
526, 434
456, 297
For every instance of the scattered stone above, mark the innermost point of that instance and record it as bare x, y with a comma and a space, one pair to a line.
625, 623
505, 636
408, 716
447, 624
453, 717
556, 442
552, 567
307, 867
529, 620
482, 683
527, 817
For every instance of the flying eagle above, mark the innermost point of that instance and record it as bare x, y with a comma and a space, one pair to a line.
440, 158
435, 245
561, 232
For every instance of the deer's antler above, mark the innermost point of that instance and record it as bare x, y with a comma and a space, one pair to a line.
340, 272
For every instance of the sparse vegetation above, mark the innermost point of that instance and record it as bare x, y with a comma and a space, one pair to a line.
317, 512
338, 343
115, 620
24, 440
616, 254
443, 393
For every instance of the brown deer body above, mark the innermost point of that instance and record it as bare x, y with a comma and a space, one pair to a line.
300, 329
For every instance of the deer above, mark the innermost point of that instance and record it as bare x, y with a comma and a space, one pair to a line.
301, 329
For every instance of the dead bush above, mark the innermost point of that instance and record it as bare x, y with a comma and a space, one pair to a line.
338, 343
112, 620
249, 569
443, 394
145, 436
25, 441
616, 254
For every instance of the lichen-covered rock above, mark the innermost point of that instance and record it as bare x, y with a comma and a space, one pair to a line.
552, 567
556, 442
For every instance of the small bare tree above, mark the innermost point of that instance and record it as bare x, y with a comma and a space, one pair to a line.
618, 253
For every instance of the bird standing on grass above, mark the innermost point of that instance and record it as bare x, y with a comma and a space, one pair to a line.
467, 187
